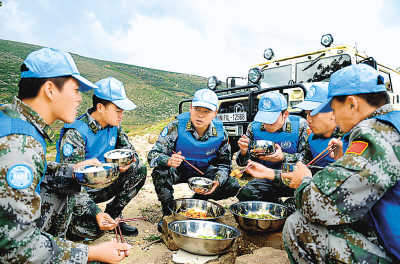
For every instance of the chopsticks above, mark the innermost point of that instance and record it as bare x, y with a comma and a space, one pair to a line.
321, 155
117, 230
194, 167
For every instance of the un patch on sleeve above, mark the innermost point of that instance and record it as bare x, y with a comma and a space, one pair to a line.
19, 176
164, 132
68, 149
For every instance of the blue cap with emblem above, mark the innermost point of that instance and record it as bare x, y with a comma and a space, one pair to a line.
270, 106
51, 63
316, 96
205, 98
354, 79
111, 89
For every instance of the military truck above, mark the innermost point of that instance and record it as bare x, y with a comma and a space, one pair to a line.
291, 76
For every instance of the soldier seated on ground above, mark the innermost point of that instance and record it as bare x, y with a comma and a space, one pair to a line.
48, 90
88, 139
198, 137
272, 122
348, 212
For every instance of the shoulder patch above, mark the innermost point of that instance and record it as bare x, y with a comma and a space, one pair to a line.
309, 131
68, 149
19, 176
357, 147
164, 132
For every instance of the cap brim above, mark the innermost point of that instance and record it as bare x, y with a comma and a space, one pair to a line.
322, 108
124, 104
267, 117
205, 104
307, 105
84, 84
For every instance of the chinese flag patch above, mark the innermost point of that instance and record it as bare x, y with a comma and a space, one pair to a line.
309, 131
357, 147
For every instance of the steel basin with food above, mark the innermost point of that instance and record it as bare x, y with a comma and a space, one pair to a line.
200, 184
262, 147
197, 209
97, 176
256, 216
122, 157
203, 237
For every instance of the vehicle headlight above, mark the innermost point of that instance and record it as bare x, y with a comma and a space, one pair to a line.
254, 75
268, 54
326, 40
212, 83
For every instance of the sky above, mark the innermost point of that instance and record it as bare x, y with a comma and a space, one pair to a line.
202, 37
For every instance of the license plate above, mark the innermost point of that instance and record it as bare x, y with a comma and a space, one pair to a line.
233, 117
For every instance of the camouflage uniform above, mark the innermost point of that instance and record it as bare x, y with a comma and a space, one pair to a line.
332, 223
82, 206
21, 240
165, 177
264, 189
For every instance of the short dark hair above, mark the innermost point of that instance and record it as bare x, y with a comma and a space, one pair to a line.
373, 99
30, 87
96, 100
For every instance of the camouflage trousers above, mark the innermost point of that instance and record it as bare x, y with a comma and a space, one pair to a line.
307, 242
164, 178
70, 217
264, 190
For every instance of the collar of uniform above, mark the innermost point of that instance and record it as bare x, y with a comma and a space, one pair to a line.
92, 123
35, 119
211, 131
287, 127
382, 110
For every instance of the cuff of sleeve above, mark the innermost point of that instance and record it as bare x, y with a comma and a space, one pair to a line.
242, 160
299, 191
163, 160
277, 182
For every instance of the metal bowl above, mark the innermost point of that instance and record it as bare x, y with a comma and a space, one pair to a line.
200, 184
262, 147
97, 176
203, 237
242, 212
122, 157
212, 210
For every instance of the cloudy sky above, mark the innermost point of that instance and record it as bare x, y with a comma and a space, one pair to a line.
202, 37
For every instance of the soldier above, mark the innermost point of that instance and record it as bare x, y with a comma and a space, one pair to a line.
200, 138
48, 90
272, 122
88, 138
348, 212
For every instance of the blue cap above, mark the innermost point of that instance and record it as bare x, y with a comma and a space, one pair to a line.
112, 90
205, 98
354, 79
51, 63
270, 106
316, 96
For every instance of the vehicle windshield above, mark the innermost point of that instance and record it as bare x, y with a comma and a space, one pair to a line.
277, 76
322, 69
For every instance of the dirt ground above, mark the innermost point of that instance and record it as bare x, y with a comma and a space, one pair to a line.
147, 247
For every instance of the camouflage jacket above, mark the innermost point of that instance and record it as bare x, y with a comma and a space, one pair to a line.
162, 149
341, 195
73, 137
21, 240
304, 133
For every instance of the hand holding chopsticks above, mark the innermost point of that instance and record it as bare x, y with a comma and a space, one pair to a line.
177, 158
322, 155
117, 230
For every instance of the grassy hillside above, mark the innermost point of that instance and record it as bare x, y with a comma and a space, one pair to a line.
155, 92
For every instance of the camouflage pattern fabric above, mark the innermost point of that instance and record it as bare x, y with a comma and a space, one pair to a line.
331, 223
83, 206
21, 241
165, 177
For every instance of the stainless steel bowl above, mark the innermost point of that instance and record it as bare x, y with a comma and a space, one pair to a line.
203, 237
213, 210
122, 157
242, 212
262, 147
200, 184
97, 176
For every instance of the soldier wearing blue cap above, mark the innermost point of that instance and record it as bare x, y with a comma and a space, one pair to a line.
48, 90
288, 132
348, 212
88, 139
198, 137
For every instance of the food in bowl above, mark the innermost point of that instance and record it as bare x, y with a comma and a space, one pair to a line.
193, 213
267, 216
262, 148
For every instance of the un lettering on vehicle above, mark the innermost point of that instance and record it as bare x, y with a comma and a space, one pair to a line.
233, 117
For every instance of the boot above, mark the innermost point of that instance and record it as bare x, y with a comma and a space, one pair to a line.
128, 230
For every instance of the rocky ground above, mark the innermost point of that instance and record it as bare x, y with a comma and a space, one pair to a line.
148, 247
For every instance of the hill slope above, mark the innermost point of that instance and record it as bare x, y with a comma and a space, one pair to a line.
155, 92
